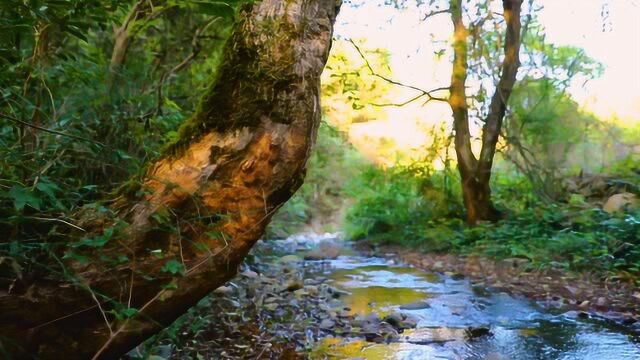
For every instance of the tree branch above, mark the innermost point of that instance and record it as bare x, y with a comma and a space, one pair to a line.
498, 105
422, 92
18, 121
434, 13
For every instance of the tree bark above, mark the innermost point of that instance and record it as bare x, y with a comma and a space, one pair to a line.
205, 203
122, 35
475, 174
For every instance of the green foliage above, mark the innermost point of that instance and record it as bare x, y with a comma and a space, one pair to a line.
349, 87
73, 129
391, 207
394, 205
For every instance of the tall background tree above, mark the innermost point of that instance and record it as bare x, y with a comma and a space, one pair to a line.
475, 173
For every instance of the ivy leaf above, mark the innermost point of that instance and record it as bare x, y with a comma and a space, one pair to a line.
22, 196
48, 188
98, 241
77, 257
129, 312
173, 267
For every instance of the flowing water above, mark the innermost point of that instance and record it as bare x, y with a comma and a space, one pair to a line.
447, 307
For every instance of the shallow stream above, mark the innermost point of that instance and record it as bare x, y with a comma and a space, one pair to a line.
457, 320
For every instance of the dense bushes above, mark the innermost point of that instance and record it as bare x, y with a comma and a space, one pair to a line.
395, 207
73, 125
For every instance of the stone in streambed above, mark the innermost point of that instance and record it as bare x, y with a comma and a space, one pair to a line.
293, 285
290, 259
408, 323
311, 289
326, 250
327, 324
393, 319
418, 305
223, 290
476, 332
250, 274
336, 293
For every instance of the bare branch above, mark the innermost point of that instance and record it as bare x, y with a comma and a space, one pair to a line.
434, 13
422, 92
11, 118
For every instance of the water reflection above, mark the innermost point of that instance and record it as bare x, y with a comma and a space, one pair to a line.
519, 329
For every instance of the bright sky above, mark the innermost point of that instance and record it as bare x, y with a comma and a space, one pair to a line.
567, 22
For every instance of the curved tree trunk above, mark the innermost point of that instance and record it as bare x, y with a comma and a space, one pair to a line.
204, 203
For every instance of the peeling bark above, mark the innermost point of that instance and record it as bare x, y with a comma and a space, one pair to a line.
475, 174
206, 202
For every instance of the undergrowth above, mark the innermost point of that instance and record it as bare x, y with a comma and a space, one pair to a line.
403, 207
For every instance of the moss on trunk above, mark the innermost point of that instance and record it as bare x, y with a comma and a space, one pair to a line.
205, 203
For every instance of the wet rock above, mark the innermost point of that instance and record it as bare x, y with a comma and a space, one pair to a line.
311, 289
408, 323
428, 336
457, 276
336, 293
393, 319
327, 324
250, 274
326, 250
480, 290
418, 305
601, 303
572, 314
476, 332
293, 285
290, 259
223, 291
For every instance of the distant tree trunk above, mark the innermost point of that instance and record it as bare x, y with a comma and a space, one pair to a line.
199, 209
475, 173
122, 35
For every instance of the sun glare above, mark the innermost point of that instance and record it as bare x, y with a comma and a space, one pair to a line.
420, 57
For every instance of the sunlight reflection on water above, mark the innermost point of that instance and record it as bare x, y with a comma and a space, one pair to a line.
519, 329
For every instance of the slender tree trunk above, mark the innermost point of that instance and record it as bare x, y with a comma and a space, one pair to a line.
205, 202
122, 35
475, 174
